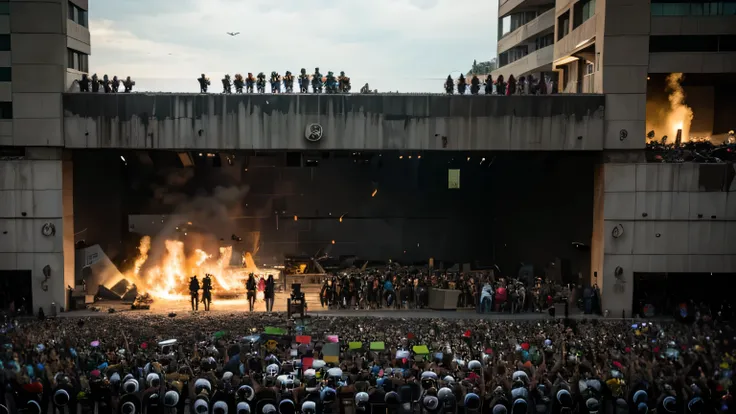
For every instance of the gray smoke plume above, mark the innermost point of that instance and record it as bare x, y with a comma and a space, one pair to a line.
209, 212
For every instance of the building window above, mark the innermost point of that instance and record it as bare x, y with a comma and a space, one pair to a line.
693, 8
77, 60
563, 25
659, 44
544, 41
77, 15
6, 110
5, 7
5, 42
5, 74
583, 11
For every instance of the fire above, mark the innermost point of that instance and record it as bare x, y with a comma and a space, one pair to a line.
169, 279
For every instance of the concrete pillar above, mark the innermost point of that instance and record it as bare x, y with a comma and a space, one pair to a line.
37, 222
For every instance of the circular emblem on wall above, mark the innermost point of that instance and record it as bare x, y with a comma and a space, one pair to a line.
623, 134
48, 229
313, 132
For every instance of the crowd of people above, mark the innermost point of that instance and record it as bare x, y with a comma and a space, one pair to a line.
701, 150
525, 85
250, 84
106, 85
408, 288
266, 363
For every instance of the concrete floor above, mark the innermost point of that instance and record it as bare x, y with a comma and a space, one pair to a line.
241, 306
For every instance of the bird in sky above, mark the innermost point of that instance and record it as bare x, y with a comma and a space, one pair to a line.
233, 33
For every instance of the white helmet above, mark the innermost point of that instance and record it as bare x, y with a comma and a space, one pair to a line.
318, 364
220, 407
242, 408
130, 386
308, 407
273, 370
201, 406
171, 398
474, 364
128, 408
153, 380
201, 385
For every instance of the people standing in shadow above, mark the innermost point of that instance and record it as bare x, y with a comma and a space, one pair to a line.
250, 286
270, 293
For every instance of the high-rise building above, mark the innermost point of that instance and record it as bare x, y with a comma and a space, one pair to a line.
44, 48
525, 37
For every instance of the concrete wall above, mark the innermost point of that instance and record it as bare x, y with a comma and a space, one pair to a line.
349, 121
664, 218
33, 192
526, 207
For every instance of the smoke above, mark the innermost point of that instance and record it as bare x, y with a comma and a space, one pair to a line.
201, 221
667, 119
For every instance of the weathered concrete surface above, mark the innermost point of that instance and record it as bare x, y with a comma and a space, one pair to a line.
375, 122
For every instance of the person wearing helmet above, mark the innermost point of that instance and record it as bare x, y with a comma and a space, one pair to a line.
317, 82
288, 82
204, 83
331, 83
303, 81
275, 82
261, 82
344, 83
249, 82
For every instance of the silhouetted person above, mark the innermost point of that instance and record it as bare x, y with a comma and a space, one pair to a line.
204, 83
128, 85
106, 84
461, 85
449, 85
194, 292
250, 287
500, 86
474, 85
511, 87
226, 84
95, 83
207, 292
84, 83
115, 84
489, 85
270, 293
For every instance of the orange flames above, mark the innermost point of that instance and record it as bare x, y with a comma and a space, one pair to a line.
169, 279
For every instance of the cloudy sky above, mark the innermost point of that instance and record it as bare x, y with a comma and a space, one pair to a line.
404, 45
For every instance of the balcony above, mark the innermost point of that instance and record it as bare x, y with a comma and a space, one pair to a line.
506, 7
537, 61
543, 22
578, 39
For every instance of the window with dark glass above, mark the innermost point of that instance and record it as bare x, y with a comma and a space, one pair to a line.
5, 74
77, 14
583, 10
5, 7
693, 8
77, 60
5, 42
660, 44
6, 110
563, 25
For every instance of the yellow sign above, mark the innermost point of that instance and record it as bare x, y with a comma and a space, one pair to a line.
453, 179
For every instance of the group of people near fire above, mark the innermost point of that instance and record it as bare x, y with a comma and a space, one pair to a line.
525, 85
407, 287
267, 364
250, 84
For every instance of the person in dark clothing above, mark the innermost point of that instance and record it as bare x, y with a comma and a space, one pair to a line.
250, 286
207, 291
84, 83
270, 293
194, 292
474, 85
204, 83
95, 83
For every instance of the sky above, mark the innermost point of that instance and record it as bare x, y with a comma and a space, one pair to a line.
393, 45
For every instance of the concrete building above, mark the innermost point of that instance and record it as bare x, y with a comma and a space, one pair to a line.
44, 46
525, 37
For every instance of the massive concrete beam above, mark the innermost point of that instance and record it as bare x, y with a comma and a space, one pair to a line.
350, 122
